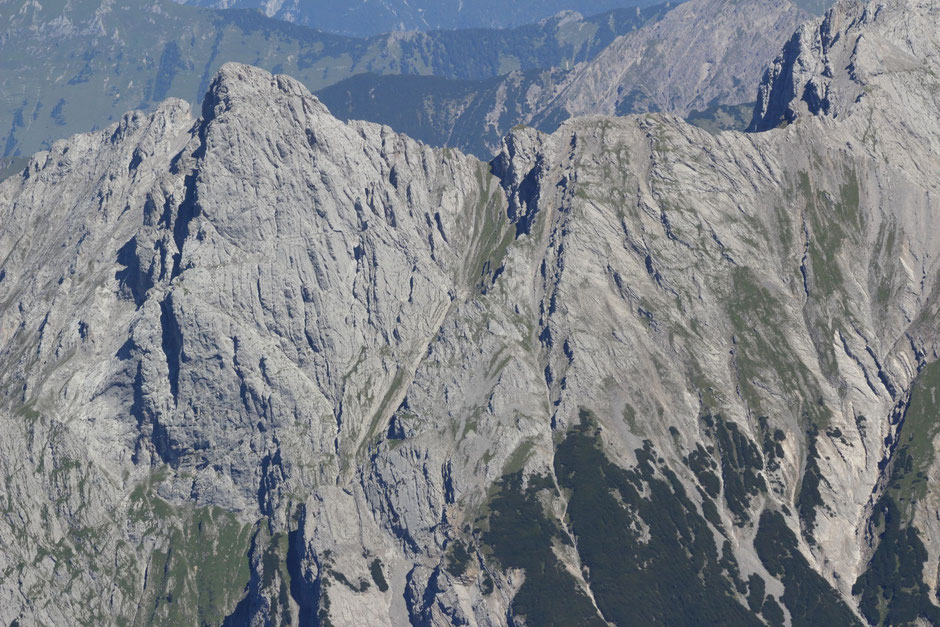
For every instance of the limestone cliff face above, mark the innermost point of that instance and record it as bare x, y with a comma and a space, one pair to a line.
266, 367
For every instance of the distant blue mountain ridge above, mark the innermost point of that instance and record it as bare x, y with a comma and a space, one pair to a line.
114, 57
371, 17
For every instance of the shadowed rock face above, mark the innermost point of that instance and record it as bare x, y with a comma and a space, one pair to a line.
267, 366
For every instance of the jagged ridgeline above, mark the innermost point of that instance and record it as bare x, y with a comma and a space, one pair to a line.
261, 366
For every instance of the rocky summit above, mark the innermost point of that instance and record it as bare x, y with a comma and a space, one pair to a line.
260, 366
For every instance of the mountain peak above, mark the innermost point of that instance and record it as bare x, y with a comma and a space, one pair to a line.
240, 83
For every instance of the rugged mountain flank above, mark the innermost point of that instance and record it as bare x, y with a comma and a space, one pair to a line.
267, 367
